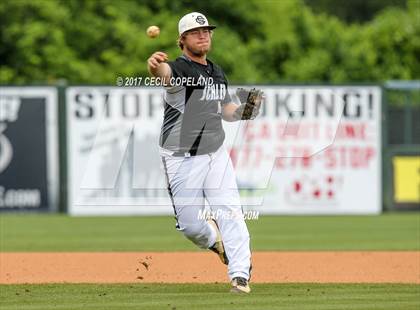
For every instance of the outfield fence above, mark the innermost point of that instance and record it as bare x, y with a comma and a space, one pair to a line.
401, 145
314, 149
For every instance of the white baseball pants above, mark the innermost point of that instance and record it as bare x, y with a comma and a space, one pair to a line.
192, 181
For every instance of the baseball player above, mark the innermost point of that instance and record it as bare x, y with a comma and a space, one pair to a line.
197, 165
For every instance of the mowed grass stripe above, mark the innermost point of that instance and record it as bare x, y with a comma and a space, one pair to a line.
282, 233
211, 296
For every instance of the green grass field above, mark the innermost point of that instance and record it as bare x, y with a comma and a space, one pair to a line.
62, 233
210, 297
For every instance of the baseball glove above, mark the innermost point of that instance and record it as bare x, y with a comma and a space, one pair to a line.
250, 103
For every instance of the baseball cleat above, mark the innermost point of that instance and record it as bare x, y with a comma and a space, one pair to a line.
240, 285
218, 247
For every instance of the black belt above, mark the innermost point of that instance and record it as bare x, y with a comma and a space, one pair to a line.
190, 153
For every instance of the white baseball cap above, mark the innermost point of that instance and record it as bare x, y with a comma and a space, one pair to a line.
193, 20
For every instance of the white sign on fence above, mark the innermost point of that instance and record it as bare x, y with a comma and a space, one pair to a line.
312, 150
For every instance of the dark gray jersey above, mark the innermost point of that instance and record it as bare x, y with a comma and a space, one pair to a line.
193, 110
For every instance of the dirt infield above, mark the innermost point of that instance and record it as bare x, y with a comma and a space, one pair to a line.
204, 267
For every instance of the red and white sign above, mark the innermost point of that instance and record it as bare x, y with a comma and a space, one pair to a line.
312, 150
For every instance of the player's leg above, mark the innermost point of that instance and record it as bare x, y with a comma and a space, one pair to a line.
185, 176
222, 194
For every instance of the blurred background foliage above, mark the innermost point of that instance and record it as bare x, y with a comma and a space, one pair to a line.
257, 41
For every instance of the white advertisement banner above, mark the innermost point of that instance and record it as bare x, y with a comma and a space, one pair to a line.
312, 150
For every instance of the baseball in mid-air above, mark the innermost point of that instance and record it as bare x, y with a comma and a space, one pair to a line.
153, 31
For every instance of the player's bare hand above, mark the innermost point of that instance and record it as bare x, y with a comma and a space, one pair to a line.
156, 59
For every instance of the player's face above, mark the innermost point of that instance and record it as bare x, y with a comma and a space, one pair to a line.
198, 41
